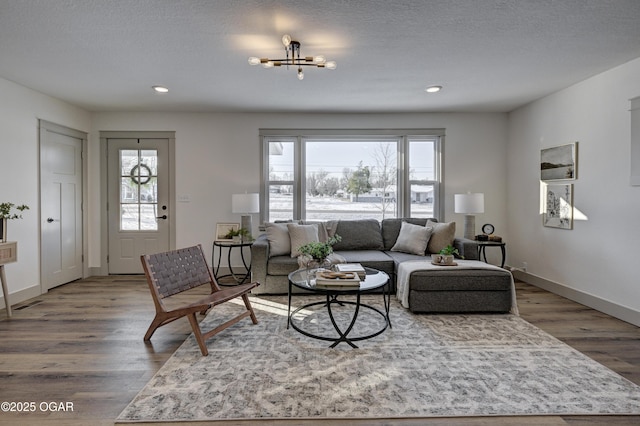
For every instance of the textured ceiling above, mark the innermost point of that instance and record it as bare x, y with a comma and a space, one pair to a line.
490, 55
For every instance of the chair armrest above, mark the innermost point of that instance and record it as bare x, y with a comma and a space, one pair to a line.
259, 258
467, 248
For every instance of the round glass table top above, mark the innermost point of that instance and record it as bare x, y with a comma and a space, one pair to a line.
374, 279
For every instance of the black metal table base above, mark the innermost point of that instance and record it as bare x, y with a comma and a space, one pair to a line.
343, 335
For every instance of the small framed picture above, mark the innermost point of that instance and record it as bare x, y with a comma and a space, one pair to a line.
559, 162
222, 229
558, 206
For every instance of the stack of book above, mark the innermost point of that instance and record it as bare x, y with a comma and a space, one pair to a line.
351, 267
331, 279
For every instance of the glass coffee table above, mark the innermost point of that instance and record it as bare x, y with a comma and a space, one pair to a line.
374, 280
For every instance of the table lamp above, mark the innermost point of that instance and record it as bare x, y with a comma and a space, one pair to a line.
469, 204
245, 204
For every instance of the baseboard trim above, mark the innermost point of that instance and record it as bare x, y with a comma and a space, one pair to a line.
21, 295
615, 310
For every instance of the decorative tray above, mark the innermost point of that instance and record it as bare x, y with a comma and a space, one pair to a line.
444, 264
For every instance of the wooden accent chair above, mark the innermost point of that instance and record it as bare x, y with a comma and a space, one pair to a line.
176, 271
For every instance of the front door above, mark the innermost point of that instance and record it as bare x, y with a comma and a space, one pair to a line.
60, 204
138, 201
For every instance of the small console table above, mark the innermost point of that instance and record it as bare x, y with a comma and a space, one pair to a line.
8, 254
482, 254
238, 278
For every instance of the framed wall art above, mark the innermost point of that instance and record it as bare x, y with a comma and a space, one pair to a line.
559, 162
222, 229
558, 206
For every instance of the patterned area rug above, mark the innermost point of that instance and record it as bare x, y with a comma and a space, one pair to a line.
424, 366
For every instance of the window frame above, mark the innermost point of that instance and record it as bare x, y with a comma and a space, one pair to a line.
404, 137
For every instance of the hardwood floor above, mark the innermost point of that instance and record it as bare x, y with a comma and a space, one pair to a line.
82, 344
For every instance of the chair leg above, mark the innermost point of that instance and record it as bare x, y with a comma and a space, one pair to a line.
247, 304
196, 331
157, 322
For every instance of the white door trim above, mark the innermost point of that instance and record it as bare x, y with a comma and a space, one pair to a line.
104, 219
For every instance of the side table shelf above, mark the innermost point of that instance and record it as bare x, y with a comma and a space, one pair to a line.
233, 276
8, 254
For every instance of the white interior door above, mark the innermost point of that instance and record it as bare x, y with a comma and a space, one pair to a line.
138, 201
60, 204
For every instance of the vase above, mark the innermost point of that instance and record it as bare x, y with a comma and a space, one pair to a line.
313, 265
3, 230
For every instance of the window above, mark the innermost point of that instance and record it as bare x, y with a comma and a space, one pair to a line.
329, 175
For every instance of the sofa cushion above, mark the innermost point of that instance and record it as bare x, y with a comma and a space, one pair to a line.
278, 236
370, 258
443, 235
301, 235
391, 228
282, 265
412, 239
361, 234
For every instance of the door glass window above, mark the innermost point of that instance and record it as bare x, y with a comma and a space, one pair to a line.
138, 190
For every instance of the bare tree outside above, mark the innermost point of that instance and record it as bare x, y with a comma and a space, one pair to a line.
384, 175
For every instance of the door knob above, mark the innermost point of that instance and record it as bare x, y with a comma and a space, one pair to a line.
164, 216
49, 220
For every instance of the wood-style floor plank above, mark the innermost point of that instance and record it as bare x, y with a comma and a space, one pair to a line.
82, 343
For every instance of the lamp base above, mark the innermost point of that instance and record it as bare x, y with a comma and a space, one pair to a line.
469, 226
245, 223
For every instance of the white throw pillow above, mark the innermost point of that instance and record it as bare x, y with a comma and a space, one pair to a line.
412, 239
301, 235
278, 236
442, 235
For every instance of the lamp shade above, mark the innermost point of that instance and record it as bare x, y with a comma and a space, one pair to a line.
469, 203
245, 203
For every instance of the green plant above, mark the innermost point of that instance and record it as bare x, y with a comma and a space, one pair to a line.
5, 210
319, 251
451, 250
238, 232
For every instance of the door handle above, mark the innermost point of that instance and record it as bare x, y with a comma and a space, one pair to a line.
49, 220
164, 216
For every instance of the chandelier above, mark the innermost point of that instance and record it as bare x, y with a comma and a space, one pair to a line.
294, 58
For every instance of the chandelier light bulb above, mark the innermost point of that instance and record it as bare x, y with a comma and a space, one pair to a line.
286, 40
160, 89
254, 61
267, 64
300, 74
320, 59
331, 65
433, 89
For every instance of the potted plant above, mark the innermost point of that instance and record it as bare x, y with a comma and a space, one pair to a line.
238, 235
315, 254
6, 214
448, 254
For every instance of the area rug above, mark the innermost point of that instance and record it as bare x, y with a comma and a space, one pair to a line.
424, 366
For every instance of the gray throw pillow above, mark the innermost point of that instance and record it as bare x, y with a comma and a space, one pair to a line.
301, 235
412, 239
442, 235
278, 237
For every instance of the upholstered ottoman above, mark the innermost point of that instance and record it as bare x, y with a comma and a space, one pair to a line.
471, 286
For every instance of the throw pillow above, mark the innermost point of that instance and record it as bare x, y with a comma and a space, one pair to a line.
278, 237
442, 235
301, 235
412, 239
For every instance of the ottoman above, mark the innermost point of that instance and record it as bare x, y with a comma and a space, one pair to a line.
472, 286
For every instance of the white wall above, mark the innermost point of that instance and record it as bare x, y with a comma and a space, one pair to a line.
596, 262
219, 154
20, 109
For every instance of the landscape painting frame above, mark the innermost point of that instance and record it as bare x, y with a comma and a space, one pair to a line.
559, 162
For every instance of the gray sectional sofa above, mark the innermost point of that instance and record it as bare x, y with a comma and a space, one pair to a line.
371, 243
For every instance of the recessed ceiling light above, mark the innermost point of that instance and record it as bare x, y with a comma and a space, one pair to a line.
160, 89
433, 89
